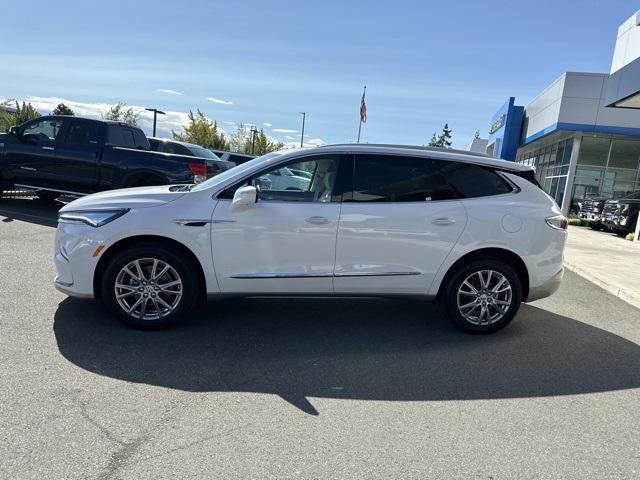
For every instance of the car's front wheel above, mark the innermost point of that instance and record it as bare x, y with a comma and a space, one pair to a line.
150, 286
483, 296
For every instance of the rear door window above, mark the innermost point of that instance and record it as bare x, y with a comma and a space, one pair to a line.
392, 178
81, 133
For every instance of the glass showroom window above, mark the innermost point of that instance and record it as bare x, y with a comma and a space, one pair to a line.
590, 170
621, 176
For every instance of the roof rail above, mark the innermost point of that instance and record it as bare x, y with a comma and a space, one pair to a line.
409, 147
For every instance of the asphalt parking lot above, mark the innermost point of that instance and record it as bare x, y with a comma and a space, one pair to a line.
302, 388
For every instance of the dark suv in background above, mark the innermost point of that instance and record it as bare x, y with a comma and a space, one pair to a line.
621, 214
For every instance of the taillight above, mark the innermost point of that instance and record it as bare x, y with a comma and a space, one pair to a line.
559, 222
199, 169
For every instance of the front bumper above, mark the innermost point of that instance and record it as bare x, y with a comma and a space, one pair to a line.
67, 289
74, 259
547, 289
590, 217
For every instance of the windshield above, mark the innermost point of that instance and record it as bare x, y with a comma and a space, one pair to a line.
232, 172
203, 153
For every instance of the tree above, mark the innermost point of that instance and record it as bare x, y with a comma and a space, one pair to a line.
445, 137
238, 140
443, 140
261, 144
118, 113
7, 117
203, 132
62, 109
22, 114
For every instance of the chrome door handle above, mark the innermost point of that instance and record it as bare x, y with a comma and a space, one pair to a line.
443, 221
47, 148
318, 220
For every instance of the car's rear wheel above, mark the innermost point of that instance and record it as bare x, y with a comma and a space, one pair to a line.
483, 296
150, 286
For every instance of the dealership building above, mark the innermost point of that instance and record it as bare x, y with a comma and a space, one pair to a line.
582, 132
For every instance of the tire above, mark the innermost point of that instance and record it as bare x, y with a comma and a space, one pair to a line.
595, 226
181, 298
499, 315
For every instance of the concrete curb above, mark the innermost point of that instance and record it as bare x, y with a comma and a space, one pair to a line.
630, 298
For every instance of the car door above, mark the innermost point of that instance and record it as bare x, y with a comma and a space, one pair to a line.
396, 227
31, 160
77, 156
285, 242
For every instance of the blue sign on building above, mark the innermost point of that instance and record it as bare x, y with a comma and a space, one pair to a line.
504, 131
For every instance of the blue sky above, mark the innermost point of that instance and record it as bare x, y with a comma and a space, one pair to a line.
424, 63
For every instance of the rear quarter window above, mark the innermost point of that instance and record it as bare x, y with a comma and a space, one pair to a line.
471, 181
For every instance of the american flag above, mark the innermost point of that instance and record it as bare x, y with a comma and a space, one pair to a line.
363, 108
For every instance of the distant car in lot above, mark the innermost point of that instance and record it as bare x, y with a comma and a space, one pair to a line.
621, 214
285, 179
72, 155
474, 232
166, 145
237, 158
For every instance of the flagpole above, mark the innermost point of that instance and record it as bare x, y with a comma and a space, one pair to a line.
360, 126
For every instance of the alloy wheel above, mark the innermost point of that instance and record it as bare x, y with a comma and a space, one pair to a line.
484, 297
148, 288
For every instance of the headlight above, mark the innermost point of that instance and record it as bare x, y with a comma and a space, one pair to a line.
94, 218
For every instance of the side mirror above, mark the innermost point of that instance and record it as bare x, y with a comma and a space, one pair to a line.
244, 197
15, 130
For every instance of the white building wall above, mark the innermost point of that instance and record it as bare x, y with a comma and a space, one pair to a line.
478, 145
627, 43
576, 98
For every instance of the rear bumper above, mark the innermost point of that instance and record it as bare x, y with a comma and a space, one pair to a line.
547, 288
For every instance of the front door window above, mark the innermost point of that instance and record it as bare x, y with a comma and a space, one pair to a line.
42, 131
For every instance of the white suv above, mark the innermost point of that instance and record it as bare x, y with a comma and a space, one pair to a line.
474, 232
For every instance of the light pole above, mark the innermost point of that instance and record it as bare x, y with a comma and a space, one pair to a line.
155, 117
304, 116
253, 131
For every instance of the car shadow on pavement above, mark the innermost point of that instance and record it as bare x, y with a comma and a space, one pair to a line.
366, 349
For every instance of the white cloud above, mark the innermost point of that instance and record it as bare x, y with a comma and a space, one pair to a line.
267, 124
284, 130
171, 121
219, 101
289, 137
169, 91
314, 142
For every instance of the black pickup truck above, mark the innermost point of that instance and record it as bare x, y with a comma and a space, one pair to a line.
78, 156
621, 214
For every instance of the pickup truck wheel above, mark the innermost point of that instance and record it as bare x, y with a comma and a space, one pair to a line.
150, 286
483, 296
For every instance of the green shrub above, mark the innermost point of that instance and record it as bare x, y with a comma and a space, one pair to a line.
575, 221
630, 236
